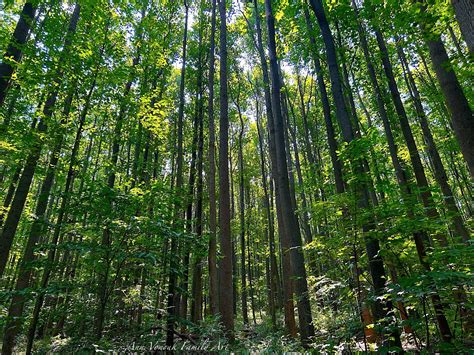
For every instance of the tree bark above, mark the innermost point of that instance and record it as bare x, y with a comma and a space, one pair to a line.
330, 133
287, 287
461, 114
243, 272
288, 213
225, 264
172, 306
464, 11
212, 258
14, 50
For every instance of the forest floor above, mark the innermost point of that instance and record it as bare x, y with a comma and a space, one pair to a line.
259, 338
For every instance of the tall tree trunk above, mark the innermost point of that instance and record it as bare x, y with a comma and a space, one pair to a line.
198, 117
456, 101
464, 11
330, 133
287, 286
225, 264
190, 196
14, 50
304, 116
272, 264
289, 158
196, 306
212, 258
304, 204
290, 221
232, 216
243, 272
249, 261
310, 134
171, 301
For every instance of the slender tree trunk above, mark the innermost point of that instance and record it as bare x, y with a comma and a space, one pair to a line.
461, 114
287, 286
225, 264
172, 281
212, 258
304, 204
331, 136
290, 221
249, 261
196, 306
192, 176
304, 116
289, 159
243, 272
232, 216
355, 119
310, 131
272, 264
15, 47
454, 39
464, 11
190, 197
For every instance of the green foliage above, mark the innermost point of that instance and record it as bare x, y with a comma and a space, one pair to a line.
115, 211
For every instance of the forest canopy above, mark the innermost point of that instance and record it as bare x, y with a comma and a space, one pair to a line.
231, 176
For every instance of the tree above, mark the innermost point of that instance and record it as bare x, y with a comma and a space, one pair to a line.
464, 11
376, 266
458, 106
289, 220
14, 50
172, 302
336, 197
225, 265
212, 260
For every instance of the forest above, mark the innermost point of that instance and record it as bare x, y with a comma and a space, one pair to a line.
217, 176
